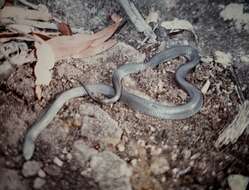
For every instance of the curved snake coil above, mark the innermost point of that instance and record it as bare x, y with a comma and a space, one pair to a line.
116, 93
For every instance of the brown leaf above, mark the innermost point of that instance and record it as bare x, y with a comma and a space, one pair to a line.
96, 50
43, 36
8, 34
64, 29
67, 46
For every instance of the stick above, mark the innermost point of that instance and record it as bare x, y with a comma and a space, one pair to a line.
236, 128
137, 19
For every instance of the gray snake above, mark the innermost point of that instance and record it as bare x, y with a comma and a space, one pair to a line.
137, 103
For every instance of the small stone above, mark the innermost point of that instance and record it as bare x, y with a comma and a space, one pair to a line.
110, 171
195, 156
187, 154
186, 127
97, 125
121, 147
82, 152
41, 173
159, 166
69, 156
58, 162
64, 151
53, 170
31, 168
238, 182
155, 151
134, 162
38, 183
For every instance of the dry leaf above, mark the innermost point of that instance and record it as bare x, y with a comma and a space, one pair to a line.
23, 13
8, 34
37, 24
38, 92
21, 28
67, 46
45, 62
65, 29
44, 36
96, 50
78, 45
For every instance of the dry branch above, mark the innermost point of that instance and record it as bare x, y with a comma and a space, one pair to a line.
236, 128
137, 19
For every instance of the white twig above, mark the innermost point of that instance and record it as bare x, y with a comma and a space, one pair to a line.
236, 128
137, 19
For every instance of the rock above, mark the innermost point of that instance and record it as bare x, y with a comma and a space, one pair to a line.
159, 166
238, 182
41, 173
38, 183
110, 171
195, 156
69, 156
187, 154
82, 152
10, 180
31, 168
53, 170
58, 162
99, 126
121, 147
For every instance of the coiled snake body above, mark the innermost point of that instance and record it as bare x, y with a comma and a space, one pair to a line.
116, 93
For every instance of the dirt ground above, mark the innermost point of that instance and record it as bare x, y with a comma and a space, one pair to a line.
162, 154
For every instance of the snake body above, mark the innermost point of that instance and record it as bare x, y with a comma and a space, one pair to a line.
115, 93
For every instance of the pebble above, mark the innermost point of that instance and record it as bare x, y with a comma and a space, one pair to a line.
69, 156
121, 147
64, 151
53, 170
155, 151
134, 162
58, 162
82, 152
38, 183
97, 125
110, 171
195, 156
187, 154
159, 165
31, 168
238, 182
41, 173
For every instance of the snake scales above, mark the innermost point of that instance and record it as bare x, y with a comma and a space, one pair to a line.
117, 93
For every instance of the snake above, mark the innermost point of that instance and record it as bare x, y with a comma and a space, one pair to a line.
118, 93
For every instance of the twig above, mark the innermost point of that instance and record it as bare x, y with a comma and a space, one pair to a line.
137, 19
236, 128
238, 85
